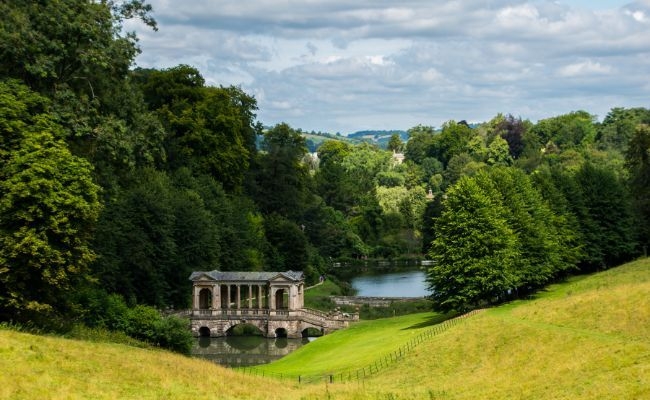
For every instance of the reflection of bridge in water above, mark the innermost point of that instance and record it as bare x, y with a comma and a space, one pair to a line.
241, 351
271, 301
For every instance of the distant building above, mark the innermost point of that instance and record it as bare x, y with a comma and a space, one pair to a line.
398, 157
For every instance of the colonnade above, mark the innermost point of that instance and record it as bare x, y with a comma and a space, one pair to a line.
220, 295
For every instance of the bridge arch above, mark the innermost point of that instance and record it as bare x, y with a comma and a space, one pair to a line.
204, 331
281, 333
312, 331
245, 328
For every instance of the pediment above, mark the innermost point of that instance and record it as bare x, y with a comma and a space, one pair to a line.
202, 277
279, 278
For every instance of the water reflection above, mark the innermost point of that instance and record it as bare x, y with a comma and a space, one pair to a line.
242, 351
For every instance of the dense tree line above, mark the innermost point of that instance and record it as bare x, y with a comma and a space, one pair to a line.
564, 196
117, 182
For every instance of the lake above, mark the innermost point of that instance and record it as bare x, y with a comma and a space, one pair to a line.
244, 351
408, 283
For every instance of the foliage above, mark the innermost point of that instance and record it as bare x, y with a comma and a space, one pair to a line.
162, 228
542, 255
109, 311
608, 224
420, 144
212, 129
512, 130
638, 165
566, 131
281, 178
48, 207
395, 143
190, 180
475, 251
74, 43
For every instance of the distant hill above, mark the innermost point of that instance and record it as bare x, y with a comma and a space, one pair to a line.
315, 139
379, 137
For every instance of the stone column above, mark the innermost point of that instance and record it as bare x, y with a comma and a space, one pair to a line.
250, 296
293, 293
301, 296
272, 298
259, 296
228, 296
216, 298
238, 303
195, 297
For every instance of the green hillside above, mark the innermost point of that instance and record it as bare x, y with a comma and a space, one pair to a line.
584, 339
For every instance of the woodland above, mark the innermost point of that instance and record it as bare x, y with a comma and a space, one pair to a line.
116, 182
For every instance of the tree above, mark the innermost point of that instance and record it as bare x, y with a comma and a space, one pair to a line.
566, 131
48, 208
211, 129
453, 140
619, 125
498, 153
513, 130
541, 255
282, 178
331, 181
76, 54
606, 220
638, 165
475, 251
395, 143
288, 250
420, 143
74, 44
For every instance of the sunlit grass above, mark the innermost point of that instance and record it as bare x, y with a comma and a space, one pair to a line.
354, 348
588, 338
55, 368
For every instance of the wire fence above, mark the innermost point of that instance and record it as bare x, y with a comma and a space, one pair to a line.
370, 369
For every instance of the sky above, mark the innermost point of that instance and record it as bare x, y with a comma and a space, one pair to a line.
344, 65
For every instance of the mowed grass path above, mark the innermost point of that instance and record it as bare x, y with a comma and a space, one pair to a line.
588, 338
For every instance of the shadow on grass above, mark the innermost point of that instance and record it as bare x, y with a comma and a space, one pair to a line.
434, 320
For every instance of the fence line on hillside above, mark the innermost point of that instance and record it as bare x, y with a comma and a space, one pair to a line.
370, 369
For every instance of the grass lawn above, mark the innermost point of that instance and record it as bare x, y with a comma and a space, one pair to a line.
588, 338
353, 348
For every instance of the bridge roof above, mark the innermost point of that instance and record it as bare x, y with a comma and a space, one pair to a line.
244, 276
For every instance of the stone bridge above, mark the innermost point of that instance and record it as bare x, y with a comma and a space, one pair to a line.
272, 323
271, 301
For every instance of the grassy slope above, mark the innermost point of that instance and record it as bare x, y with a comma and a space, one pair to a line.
586, 339
589, 338
353, 348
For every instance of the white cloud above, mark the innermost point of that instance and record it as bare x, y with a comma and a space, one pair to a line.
585, 68
337, 65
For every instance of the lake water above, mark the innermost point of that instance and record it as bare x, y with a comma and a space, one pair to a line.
243, 351
409, 283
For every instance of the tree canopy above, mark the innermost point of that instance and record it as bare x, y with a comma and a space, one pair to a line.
117, 182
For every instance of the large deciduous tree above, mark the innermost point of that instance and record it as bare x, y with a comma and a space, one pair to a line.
211, 129
638, 163
48, 208
539, 241
606, 217
282, 178
475, 251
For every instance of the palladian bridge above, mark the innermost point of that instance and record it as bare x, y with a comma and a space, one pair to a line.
271, 301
